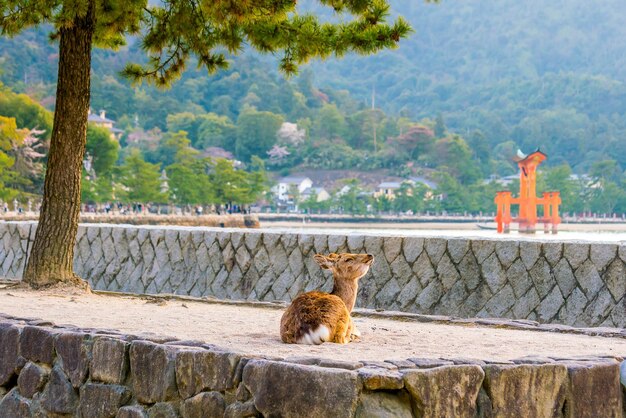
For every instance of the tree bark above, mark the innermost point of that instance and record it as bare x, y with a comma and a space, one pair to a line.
52, 255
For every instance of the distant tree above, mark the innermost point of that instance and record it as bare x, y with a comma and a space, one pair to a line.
440, 127
329, 123
456, 198
257, 179
606, 171
9, 135
28, 153
216, 131
231, 185
27, 112
409, 197
453, 153
189, 182
256, 133
103, 149
141, 180
417, 141
559, 179
176, 147
351, 201
171, 31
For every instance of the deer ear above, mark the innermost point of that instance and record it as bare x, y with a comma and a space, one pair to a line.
324, 262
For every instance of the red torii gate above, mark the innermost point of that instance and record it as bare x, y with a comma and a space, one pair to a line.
528, 200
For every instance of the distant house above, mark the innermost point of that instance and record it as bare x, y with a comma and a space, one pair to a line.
102, 121
389, 189
320, 194
287, 184
422, 180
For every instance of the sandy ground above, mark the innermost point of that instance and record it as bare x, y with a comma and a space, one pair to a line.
254, 330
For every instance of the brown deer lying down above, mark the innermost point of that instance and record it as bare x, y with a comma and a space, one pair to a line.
316, 317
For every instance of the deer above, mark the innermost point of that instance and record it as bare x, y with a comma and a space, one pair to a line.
317, 317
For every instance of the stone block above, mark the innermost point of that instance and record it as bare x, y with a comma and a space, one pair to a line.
526, 304
550, 305
241, 410
447, 272
15, 406
74, 350
203, 370
494, 275
131, 412
553, 252
457, 248
409, 292
412, 248
337, 243
205, 404
102, 401
542, 277
501, 302
37, 344
447, 391
507, 252
589, 279
435, 248
286, 390
9, 352
152, 371
32, 379
374, 378
614, 279
575, 253
475, 301
470, 271
573, 308
529, 253
483, 249
384, 405
429, 363
163, 410
602, 254
59, 396
388, 294
392, 247
356, 243
429, 297
526, 390
422, 268
564, 276
594, 390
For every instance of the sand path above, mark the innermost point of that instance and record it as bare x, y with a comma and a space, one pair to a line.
254, 330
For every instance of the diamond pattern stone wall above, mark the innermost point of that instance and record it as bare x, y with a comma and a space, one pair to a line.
573, 283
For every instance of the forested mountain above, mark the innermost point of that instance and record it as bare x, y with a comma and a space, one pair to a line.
477, 80
547, 74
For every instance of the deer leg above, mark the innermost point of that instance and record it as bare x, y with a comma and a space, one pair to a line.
355, 334
342, 330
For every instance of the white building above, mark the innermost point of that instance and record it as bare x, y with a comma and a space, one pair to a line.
287, 184
320, 194
102, 121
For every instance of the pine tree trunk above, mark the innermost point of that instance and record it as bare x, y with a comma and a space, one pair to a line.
52, 255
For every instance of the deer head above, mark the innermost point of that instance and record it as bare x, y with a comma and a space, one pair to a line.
345, 266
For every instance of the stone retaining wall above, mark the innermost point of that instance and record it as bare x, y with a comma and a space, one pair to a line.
48, 370
567, 282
